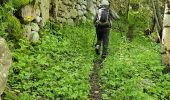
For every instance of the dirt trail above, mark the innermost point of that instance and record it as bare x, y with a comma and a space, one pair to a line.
95, 81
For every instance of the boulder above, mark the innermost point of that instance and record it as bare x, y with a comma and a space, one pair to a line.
5, 63
78, 7
35, 27
84, 19
31, 32
80, 12
34, 37
70, 22
73, 13
28, 13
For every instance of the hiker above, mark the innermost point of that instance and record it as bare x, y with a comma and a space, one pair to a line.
103, 23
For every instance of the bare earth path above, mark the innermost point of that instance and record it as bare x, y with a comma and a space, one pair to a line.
95, 81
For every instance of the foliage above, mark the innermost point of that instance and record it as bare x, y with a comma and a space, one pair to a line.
140, 19
19, 3
133, 70
10, 26
56, 67
59, 65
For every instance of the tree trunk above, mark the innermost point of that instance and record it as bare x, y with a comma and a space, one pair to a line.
127, 11
166, 34
157, 16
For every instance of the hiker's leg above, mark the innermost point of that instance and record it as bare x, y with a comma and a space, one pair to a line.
106, 32
99, 36
99, 40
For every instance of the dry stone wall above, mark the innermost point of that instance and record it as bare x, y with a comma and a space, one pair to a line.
62, 11
70, 10
37, 14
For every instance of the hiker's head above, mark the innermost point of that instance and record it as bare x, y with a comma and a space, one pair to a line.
104, 2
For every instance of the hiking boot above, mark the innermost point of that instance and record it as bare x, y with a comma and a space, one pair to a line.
97, 49
103, 56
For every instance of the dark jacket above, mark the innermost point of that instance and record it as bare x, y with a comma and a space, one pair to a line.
112, 16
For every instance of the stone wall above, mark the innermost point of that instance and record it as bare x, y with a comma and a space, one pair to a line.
68, 11
65, 11
62, 11
35, 15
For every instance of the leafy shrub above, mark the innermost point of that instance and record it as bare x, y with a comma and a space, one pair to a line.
133, 70
10, 26
56, 67
19, 3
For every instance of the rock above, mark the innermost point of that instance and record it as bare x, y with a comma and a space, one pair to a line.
78, 7
56, 5
84, 18
80, 1
45, 7
38, 12
34, 37
5, 63
165, 59
83, 7
91, 7
70, 22
80, 13
66, 14
84, 3
28, 13
66, 2
63, 20
73, 13
63, 7
27, 31
35, 27
85, 11
38, 19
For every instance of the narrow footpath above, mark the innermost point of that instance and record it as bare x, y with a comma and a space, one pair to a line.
95, 81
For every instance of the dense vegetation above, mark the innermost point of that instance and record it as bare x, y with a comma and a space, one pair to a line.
56, 67
133, 70
59, 65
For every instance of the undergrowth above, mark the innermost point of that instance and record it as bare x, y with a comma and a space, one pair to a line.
133, 70
57, 67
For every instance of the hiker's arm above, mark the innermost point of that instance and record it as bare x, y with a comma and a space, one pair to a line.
94, 20
113, 14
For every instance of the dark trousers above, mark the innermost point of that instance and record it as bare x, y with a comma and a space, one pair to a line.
103, 35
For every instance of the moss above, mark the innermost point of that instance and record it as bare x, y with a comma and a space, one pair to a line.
14, 26
19, 3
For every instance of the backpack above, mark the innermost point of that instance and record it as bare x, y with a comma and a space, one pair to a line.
103, 16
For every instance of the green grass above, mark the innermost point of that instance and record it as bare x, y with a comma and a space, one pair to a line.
57, 67
133, 71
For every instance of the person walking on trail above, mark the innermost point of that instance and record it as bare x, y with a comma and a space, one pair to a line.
103, 23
